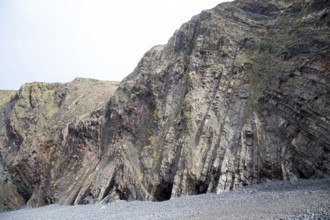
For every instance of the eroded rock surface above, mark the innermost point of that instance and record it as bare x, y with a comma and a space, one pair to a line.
49, 136
239, 95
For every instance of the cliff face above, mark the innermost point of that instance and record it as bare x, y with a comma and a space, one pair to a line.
240, 94
49, 136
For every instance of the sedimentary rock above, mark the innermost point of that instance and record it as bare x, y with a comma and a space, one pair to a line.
240, 94
47, 132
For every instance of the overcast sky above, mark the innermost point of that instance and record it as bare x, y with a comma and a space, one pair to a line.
58, 40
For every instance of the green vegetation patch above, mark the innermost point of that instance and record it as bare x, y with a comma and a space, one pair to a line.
5, 96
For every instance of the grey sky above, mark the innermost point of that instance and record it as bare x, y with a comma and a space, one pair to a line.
58, 40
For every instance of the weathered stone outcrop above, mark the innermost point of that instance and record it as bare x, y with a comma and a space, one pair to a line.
49, 136
240, 94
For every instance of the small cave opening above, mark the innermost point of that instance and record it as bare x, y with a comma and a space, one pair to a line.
24, 193
163, 191
123, 195
301, 174
201, 187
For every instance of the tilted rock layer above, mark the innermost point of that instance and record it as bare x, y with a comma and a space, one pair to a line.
240, 94
47, 133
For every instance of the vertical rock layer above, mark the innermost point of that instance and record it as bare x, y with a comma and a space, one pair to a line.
240, 94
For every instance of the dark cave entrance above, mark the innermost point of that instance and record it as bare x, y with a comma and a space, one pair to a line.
163, 191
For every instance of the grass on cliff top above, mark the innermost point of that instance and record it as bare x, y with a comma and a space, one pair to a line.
5, 96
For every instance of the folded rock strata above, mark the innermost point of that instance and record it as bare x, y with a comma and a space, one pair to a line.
239, 95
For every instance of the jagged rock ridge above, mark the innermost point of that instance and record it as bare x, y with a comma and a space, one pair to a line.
240, 94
